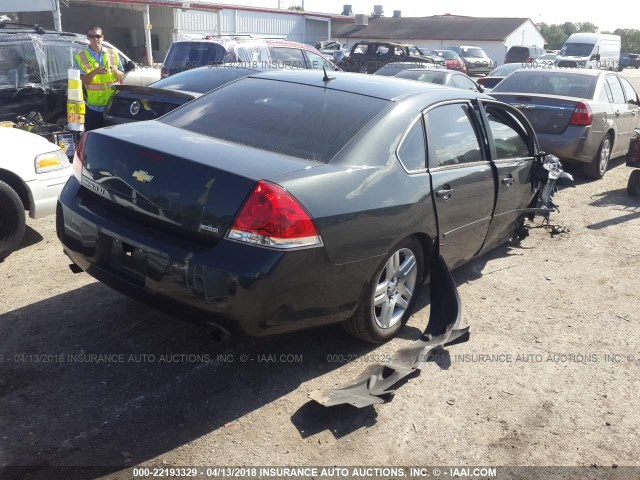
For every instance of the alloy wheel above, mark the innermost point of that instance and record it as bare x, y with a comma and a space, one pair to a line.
605, 153
394, 289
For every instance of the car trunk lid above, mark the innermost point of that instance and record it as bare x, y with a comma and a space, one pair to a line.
174, 178
547, 113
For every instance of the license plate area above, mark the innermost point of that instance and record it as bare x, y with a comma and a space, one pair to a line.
128, 260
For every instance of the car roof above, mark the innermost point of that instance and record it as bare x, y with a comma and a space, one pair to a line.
386, 88
570, 71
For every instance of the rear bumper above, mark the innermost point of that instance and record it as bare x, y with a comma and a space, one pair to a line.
44, 191
576, 143
244, 288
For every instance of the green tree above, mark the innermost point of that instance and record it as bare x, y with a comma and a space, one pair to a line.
296, 7
554, 35
586, 27
569, 28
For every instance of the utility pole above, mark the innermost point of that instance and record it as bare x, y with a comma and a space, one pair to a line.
57, 19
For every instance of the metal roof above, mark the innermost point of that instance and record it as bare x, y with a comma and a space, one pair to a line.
437, 27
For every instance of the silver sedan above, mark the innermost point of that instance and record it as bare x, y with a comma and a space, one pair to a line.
580, 115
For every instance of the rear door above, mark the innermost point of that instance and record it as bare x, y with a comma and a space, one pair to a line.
622, 114
633, 105
462, 180
512, 147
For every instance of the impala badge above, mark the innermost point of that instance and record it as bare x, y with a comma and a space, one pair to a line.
142, 176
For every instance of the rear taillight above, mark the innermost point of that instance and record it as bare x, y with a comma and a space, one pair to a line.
528, 59
164, 72
272, 217
581, 115
78, 157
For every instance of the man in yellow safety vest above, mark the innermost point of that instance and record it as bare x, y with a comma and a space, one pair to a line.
100, 69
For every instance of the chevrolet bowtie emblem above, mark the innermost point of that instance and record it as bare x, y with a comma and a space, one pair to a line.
142, 176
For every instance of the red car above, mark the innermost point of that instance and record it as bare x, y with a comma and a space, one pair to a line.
453, 60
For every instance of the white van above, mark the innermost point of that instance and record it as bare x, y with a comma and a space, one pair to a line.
590, 50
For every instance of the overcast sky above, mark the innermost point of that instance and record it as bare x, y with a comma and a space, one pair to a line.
623, 15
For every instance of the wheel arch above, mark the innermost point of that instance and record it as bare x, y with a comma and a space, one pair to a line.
18, 185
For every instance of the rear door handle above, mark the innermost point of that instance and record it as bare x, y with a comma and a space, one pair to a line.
445, 192
508, 180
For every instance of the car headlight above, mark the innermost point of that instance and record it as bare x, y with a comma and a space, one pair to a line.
581, 63
51, 161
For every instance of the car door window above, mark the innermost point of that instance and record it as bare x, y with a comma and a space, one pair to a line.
452, 138
316, 62
361, 49
616, 89
629, 92
59, 60
13, 68
288, 57
508, 134
382, 50
605, 94
463, 82
412, 151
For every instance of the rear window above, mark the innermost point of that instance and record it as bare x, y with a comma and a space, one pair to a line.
446, 54
547, 83
428, 76
188, 55
203, 79
473, 52
518, 51
299, 120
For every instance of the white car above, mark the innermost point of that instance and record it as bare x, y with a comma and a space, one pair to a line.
139, 76
32, 174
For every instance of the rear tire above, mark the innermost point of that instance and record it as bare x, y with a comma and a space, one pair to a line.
12, 220
598, 166
391, 295
633, 185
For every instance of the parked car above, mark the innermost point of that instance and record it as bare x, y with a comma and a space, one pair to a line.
33, 71
325, 216
497, 75
369, 57
585, 116
134, 104
590, 50
262, 53
452, 60
392, 69
442, 77
547, 59
32, 174
476, 61
523, 54
629, 60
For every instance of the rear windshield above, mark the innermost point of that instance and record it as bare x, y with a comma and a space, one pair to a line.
298, 120
549, 83
428, 76
203, 79
518, 51
446, 54
504, 70
188, 55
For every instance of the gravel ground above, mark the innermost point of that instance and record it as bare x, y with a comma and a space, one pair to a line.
550, 375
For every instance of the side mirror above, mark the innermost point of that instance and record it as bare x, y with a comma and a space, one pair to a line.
129, 66
480, 88
596, 57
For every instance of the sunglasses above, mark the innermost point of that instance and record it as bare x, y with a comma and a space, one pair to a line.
94, 36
